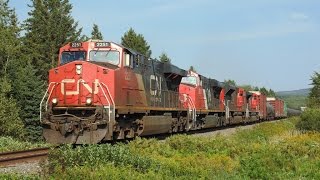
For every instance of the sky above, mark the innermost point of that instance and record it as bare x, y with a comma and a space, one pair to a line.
271, 43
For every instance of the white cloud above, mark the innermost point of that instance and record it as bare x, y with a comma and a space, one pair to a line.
298, 16
159, 8
266, 31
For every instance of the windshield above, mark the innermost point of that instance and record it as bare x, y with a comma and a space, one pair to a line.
105, 56
189, 80
68, 56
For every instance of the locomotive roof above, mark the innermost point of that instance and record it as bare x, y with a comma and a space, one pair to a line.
215, 83
228, 86
170, 68
229, 89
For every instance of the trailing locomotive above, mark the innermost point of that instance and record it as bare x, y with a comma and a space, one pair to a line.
102, 91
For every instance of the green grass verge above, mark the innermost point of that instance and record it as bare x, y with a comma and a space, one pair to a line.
268, 151
11, 144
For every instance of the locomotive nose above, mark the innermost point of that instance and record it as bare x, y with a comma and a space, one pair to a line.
78, 69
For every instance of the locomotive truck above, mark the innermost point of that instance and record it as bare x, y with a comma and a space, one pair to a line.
103, 91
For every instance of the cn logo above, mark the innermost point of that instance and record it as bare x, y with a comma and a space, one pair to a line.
79, 82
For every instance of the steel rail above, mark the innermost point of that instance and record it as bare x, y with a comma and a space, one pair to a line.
24, 156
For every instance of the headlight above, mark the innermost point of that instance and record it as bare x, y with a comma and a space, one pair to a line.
54, 101
79, 69
88, 101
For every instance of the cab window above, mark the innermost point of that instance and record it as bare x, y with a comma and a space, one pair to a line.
105, 56
189, 80
69, 56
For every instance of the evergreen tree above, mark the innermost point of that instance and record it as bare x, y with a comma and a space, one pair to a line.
247, 87
164, 58
272, 93
256, 88
230, 82
136, 42
263, 90
95, 33
192, 69
11, 124
48, 27
9, 32
84, 38
314, 95
28, 90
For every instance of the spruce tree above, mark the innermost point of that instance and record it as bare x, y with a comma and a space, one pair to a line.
9, 40
271, 93
95, 33
10, 122
136, 42
164, 58
28, 90
263, 90
49, 26
230, 82
314, 95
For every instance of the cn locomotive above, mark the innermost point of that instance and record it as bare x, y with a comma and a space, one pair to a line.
103, 91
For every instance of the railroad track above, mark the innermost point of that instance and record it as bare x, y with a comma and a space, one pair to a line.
25, 156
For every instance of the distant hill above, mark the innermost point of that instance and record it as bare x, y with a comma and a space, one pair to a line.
300, 92
295, 99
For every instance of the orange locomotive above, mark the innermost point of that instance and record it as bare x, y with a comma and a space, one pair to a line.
102, 91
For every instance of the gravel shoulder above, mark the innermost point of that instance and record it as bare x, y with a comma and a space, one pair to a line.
228, 130
23, 169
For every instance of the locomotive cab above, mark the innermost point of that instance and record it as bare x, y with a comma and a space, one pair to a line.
80, 105
192, 87
258, 104
204, 93
241, 99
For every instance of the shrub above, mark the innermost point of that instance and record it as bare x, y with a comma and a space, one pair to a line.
11, 124
93, 155
310, 120
11, 144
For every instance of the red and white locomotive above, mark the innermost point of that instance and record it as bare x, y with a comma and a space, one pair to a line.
102, 91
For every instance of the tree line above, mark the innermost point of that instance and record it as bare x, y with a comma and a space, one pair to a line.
247, 87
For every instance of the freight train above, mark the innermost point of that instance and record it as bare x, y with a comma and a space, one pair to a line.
103, 91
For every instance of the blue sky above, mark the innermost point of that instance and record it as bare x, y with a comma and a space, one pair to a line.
271, 43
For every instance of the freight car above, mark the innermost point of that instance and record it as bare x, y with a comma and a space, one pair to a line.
279, 107
103, 91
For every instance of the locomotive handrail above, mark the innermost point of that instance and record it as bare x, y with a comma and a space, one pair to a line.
226, 105
108, 93
193, 107
50, 96
107, 100
247, 111
44, 96
113, 104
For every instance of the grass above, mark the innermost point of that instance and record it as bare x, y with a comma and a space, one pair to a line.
11, 144
267, 151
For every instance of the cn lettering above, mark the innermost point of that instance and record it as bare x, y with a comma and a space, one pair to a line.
80, 81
